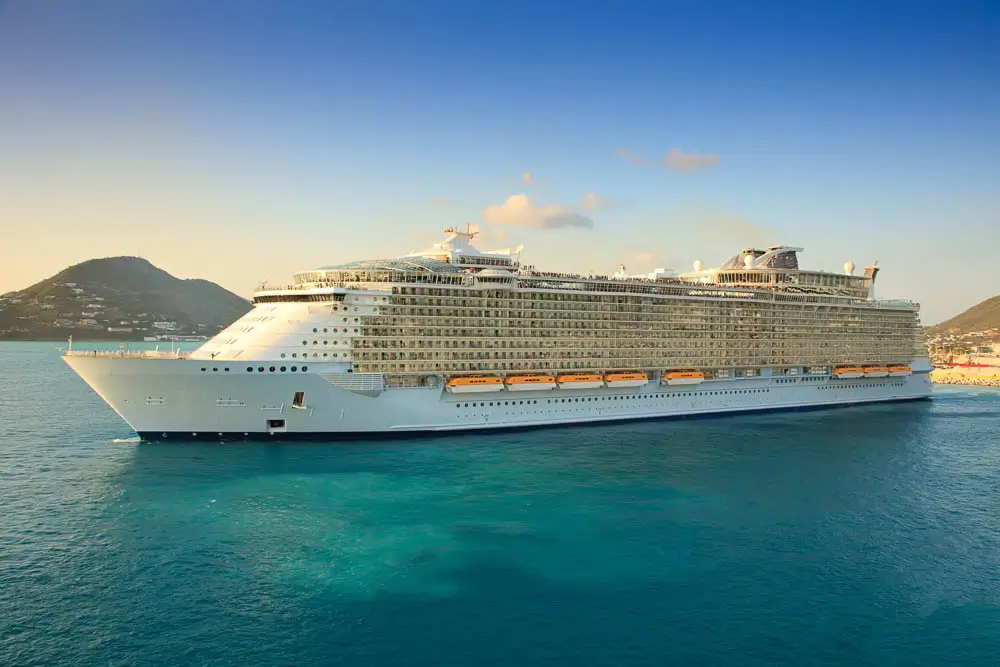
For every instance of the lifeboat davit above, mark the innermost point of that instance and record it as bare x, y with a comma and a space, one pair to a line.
475, 384
626, 379
677, 378
877, 372
580, 381
848, 372
900, 371
530, 382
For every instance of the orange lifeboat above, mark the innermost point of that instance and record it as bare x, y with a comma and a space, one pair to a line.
876, 371
580, 381
899, 371
631, 379
474, 384
848, 372
675, 378
529, 382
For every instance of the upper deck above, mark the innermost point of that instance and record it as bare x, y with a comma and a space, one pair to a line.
455, 262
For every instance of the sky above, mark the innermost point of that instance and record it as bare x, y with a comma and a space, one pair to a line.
240, 141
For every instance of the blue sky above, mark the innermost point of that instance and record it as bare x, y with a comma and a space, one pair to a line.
240, 141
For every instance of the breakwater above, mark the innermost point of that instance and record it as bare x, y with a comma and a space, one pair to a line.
977, 376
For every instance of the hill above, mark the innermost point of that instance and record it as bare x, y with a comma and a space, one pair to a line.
123, 298
981, 317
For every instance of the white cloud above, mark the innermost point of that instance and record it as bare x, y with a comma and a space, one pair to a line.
678, 160
520, 211
631, 157
725, 228
591, 202
441, 204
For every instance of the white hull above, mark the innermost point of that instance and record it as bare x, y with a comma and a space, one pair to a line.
174, 398
531, 387
474, 388
625, 384
683, 382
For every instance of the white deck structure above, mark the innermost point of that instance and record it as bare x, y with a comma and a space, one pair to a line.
366, 348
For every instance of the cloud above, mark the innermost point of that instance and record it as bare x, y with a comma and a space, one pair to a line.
489, 237
520, 211
591, 202
719, 226
441, 204
528, 178
677, 160
631, 157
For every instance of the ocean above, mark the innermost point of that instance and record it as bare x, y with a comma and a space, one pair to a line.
862, 536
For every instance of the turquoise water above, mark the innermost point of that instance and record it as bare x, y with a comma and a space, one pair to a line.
868, 536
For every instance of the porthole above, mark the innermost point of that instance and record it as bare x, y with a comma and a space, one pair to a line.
326, 342
272, 369
215, 370
293, 355
260, 369
305, 342
305, 368
226, 369
315, 342
282, 369
203, 370
249, 369
295, 368
325, 354
282, 355
324, 329
314, 330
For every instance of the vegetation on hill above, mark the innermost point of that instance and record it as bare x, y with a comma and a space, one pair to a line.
981, 317
118, 297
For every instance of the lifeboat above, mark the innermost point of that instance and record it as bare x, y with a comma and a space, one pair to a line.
848, 372
530, 382
580, 381
876, 371
626, 379
473, 384
899, 371
675, 378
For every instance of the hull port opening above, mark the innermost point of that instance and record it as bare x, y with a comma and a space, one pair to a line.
275, 425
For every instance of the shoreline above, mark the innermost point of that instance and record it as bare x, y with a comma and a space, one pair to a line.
967, 381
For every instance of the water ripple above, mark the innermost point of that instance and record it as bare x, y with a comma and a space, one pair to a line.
855, 537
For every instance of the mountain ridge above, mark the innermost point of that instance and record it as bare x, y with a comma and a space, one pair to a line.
983, 316
118, 297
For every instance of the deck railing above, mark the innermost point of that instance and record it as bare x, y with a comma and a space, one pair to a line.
128, 354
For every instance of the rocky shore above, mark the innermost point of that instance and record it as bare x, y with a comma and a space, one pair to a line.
974, 381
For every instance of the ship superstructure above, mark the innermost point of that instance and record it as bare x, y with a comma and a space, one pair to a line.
452, 338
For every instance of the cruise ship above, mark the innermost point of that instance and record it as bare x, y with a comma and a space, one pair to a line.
454, 339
